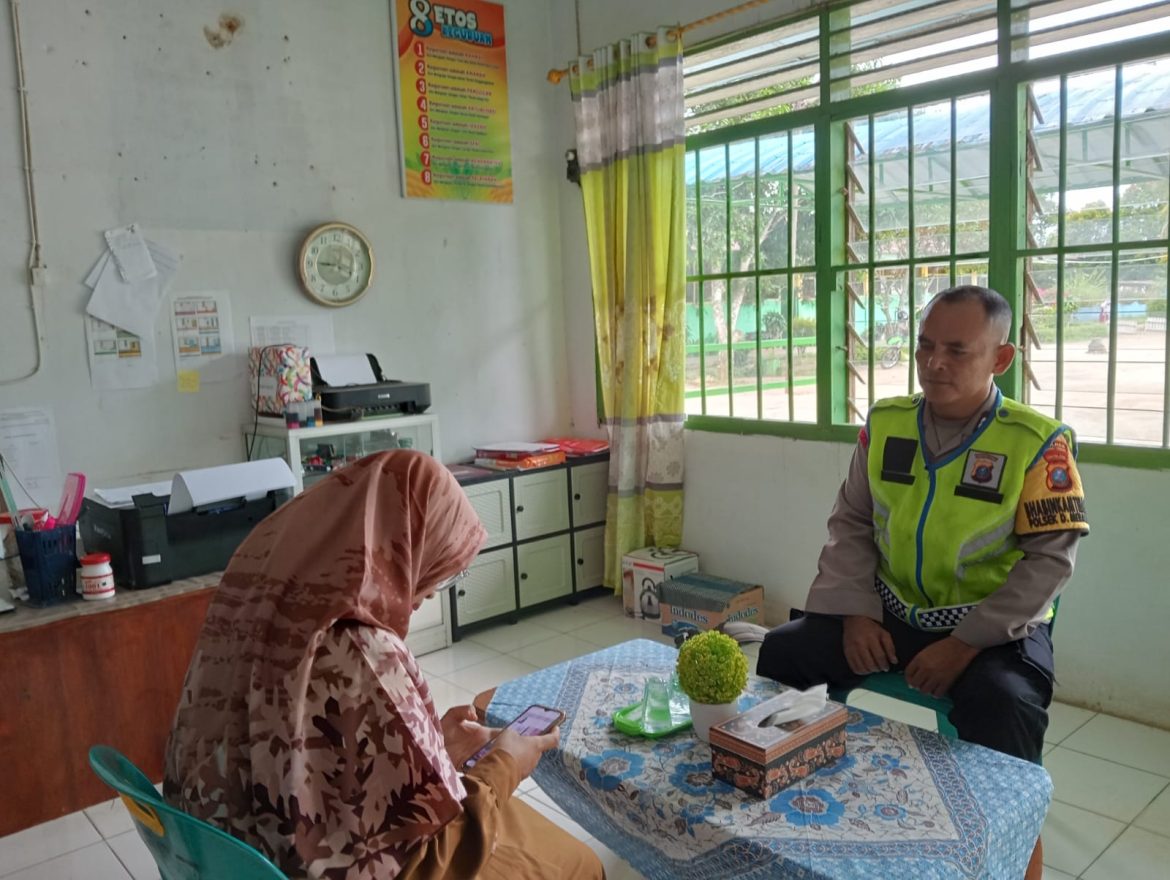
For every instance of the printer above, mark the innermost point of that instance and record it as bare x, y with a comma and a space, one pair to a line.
155, 538
352, 387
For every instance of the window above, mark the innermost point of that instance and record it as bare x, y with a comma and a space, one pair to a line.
844, 166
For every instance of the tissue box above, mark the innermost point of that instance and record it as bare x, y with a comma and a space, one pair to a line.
643, 572
700, 601
280, 376
763, 760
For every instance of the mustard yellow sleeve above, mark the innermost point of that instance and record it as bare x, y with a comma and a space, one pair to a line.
464, 845
1053, 497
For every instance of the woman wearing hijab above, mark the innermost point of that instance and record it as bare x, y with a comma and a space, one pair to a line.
305, 727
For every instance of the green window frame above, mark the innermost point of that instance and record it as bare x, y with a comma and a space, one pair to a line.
861, 265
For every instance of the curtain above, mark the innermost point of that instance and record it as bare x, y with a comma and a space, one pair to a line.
628, 105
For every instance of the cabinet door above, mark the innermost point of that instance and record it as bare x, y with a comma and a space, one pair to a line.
493, 502
590, 484
589, 557
428, 628
546, 570
489, 588
541, 503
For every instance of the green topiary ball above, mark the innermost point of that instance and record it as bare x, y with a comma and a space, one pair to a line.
712, 668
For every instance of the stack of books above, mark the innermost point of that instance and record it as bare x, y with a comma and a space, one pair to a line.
517, 455
575, 447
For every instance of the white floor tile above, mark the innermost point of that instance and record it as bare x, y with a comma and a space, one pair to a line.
46, 841
459, 656
616, 868
1156, 817
94, 862
537, 795
1064, 719
490, 673
898, 710
510, 636
111, 818
613, 631
1053, 874
555, 650
1136, 853
445, 694
1073, 838
557, 817
1125, 742
1101, 786
134, 856
573, 617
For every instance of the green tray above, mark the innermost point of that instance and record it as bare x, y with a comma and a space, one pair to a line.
627, 721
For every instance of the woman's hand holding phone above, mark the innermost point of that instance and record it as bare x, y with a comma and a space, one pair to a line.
526, 750
463, 735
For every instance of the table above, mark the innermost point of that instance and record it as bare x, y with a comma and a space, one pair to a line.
904, 802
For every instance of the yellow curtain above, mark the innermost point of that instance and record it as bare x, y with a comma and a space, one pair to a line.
628, 104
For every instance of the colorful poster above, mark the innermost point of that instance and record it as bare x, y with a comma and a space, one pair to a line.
453, 101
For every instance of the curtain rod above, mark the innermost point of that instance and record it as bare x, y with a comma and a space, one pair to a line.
555, 75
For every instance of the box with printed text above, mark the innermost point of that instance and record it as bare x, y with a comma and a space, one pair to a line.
644, 571
700, 601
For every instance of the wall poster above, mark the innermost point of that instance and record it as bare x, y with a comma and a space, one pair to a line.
452, 77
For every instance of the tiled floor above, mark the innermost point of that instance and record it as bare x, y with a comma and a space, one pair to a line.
1110, 821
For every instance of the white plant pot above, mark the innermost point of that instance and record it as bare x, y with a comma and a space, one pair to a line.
704, 715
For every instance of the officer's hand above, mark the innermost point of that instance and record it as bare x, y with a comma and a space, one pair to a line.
868, 646
935, 668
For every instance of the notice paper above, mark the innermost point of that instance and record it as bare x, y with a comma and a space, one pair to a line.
345, 369
129, 251
28, 442
131, 305
201, 328
248, 480
314, 332
117, 358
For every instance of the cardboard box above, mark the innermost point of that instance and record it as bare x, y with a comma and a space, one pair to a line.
643, 572
764, 760
701, 601
280, 376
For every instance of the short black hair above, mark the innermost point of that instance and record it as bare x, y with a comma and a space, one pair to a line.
995, 307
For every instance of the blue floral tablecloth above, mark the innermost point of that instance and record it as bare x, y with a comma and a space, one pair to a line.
904, 802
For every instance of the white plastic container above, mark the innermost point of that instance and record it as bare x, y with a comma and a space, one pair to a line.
97, 577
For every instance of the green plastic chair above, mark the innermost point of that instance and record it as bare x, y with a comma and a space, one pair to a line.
893, 684
184, 848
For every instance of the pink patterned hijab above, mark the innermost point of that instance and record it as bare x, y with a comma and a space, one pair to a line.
304, 725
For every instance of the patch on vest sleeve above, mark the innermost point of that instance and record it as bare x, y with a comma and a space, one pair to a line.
1053, 499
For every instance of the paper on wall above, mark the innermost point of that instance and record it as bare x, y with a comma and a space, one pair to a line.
345, 369
28, 441
131, 305
249, 480
314, 332
117, 358
130, 253
201, 329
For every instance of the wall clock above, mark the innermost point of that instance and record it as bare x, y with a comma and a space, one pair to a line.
336, 264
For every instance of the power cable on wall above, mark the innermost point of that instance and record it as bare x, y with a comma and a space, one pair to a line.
36, 268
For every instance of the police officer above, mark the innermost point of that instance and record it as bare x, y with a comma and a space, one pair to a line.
955, 529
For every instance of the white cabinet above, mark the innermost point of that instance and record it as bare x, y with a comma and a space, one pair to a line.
546, 540
313, 453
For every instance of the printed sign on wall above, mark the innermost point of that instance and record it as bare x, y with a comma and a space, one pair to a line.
453, 100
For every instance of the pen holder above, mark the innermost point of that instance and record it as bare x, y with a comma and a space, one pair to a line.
49, 559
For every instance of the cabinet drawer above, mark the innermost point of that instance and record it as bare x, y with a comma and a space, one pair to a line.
489, 588
493, 503
590, 484
428, 628
541, 502
545, 570
589, 557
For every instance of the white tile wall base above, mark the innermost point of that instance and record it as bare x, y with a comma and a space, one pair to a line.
1110, 819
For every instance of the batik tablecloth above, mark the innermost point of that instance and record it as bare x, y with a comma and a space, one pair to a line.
904, 802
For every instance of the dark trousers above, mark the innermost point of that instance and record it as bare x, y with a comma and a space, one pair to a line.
1000, 701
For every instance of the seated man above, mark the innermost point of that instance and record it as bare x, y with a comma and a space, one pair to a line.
955, 529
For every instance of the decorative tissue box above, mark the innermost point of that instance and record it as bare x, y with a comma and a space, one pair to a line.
643, 572
699, 601
763, 760
280, 376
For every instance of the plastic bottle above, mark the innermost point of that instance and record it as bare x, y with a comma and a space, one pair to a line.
318, 411
97, 577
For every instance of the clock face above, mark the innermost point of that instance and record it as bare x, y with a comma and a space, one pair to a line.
336, 264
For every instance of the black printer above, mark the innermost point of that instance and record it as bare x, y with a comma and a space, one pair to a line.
148, 548
385, 397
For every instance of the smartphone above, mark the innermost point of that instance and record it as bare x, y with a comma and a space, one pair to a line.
533, 721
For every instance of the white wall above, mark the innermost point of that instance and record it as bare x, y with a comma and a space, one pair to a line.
230, 156
756, 506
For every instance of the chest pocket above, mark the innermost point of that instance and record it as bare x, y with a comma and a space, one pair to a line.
898, 457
